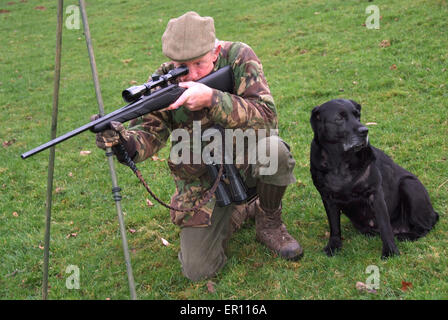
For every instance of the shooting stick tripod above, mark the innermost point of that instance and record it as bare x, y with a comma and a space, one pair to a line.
109, 154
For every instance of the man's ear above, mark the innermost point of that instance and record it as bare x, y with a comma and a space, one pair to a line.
356, 104
216, 52
315, 117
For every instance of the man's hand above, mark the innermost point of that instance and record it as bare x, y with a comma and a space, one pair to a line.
111, 137
196, 97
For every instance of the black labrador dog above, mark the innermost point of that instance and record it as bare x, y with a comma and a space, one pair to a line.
355, 178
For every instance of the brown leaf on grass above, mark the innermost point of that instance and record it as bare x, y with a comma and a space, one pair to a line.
4, 11
165, 243
384, 44
41, 8
133, 82
6, 144
149, 203
211, 287
393, 67
362, 287
70, 235
405, 286
126, 61
132, 230
15, 214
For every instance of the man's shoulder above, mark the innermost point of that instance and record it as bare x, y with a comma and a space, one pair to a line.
236, 53
234, 48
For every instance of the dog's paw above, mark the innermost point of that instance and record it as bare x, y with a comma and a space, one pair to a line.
390, 252
332, 247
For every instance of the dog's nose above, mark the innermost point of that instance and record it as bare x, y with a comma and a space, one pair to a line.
363, 130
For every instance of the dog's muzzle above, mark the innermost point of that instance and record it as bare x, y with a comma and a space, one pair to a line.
358, 141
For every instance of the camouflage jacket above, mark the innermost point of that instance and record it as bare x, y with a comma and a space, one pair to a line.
251, 106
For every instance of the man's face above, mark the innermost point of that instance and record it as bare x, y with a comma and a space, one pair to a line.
199, 67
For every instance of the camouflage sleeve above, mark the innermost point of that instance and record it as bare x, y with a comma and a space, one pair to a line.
252, 104
149, 134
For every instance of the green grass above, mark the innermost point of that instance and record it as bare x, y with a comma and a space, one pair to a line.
312, 51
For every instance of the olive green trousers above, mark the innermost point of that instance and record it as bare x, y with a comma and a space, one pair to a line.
202, 249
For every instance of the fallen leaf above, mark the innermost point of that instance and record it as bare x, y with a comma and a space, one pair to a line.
15, 214
361, 286
393, 67
405, 286
8, 143
41, 8
70, 174
384, 44
4, 11
85, 153
149, 203
73, 234
41, 247
58, 190
126, 61
211, 287
133, 82
132, 230
165, 243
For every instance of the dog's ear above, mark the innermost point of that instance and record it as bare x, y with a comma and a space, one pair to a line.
315, 117
356, 104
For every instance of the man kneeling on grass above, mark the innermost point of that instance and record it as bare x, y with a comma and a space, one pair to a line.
190, 40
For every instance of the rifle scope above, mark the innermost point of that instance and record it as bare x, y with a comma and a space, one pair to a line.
133, 93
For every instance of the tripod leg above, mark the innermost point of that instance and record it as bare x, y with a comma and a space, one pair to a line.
54, 121
115, 188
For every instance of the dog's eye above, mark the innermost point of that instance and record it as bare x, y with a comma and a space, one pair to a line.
341, 116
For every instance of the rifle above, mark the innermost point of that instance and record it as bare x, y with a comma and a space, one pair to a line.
142, 101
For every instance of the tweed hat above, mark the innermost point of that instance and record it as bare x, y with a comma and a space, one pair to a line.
188, 37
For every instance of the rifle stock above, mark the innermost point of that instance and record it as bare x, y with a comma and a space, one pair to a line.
221, 79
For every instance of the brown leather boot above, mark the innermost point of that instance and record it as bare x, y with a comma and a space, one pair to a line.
269, 226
